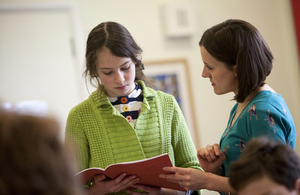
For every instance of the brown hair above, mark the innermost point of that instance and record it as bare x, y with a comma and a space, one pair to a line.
32, 157
237, 42
119, 41
264, 157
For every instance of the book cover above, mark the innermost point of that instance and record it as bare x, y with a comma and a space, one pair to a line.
148, 170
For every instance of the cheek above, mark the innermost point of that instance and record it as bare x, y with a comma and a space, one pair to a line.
228, 77
131, 74
105, 80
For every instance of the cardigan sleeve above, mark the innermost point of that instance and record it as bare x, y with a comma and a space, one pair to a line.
76, 138
184, 148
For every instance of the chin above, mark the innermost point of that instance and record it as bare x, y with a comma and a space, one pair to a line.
219, 93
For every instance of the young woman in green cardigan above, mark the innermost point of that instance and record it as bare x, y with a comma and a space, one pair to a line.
123, 120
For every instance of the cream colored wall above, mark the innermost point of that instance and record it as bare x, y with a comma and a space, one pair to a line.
142, 18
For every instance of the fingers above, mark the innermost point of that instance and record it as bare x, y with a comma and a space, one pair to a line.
222, 155
99, 178
120, 178
210, 153
216, 149
174, 169
175, 178
188, 179
121, 182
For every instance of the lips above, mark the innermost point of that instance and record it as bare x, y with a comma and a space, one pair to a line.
121, 88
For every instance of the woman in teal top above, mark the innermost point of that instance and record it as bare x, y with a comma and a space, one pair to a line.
265, 115
237, 59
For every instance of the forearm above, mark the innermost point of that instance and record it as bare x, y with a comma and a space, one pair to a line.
218, 183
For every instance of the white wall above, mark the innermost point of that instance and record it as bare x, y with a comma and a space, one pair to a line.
272, 17
143, 19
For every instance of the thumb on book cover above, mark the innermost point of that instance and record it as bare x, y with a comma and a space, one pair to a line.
98, 178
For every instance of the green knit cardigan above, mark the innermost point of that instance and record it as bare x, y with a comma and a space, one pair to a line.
101, 136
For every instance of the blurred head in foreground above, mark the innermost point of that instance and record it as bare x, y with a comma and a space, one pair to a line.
266, 167
33, 159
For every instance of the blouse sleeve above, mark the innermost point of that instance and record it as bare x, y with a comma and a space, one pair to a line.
268, 120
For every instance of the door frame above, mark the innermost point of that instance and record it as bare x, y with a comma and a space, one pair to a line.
76, 30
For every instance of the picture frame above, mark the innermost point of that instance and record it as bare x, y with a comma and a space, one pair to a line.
172, 76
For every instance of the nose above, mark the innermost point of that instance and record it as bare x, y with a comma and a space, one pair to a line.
119, 78
205, 72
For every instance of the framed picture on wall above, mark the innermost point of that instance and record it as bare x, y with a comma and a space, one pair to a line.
172, 77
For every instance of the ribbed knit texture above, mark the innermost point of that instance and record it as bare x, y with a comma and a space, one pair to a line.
105, 137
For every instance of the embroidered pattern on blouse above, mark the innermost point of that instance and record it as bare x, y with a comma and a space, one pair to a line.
271, 121
252, 111
241, 145
227, 130
225, 148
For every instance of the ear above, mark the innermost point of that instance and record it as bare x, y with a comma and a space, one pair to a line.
234, 69
297, 185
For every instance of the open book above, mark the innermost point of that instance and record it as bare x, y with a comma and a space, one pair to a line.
148, 170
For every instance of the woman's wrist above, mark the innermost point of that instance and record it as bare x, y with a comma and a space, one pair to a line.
208, 181
217, 183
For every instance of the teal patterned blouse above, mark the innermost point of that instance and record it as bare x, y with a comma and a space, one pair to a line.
266, 115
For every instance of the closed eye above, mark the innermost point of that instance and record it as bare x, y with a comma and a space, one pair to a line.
208, 67
107, 73
126, 68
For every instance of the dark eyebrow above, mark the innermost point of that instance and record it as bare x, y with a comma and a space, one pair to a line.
111, 68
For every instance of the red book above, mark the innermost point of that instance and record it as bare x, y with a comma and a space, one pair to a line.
148, 170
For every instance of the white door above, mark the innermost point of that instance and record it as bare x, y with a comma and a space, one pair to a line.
37, 61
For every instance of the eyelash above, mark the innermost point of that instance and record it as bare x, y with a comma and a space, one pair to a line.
209, 68
124, 69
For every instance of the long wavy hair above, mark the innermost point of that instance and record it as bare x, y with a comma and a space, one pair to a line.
118, 40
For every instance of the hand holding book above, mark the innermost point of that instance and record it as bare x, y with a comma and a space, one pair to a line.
148, 170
